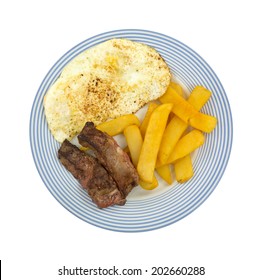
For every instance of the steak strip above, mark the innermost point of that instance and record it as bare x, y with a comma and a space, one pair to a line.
111, 156
91, 175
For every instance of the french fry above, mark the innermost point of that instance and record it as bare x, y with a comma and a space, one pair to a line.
203, 122
172, 90
165, 173
172, 134
186, 145
199, 97
176, 87
151, 107
134, 141
134, 144
179, 90
117, 125
176, 127
149, 186
183, 169
156, 126
184, 110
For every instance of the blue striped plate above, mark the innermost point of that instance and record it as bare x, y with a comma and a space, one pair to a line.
144, 210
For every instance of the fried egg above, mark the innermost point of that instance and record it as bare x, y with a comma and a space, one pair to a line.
114, 78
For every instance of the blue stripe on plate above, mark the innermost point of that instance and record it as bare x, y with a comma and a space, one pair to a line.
177, 201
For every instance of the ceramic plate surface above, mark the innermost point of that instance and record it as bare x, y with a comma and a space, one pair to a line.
144, 210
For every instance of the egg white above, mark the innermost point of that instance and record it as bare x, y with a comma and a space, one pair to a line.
114, 78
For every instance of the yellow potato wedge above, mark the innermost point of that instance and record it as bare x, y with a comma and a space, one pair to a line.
165, 173
149, 186
177, 88
117, 125
187, 144
203, 122
156, 126
176, 127
199, 97
183, 169
151, 107
174, 130
187, 112
169, 95
134, 142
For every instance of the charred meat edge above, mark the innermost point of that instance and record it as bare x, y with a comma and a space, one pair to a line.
111, 156
92, 176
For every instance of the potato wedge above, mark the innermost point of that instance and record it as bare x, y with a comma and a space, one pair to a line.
176, 87
156, 126
186, 145
151, 107
203, 122
176, 127
184, 110
165, 173
172, 134
149, 186
169, 95
199, 97
117, 125
183, 169
134, 142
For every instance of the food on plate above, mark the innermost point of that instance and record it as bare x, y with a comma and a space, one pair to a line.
96, 97
188, 113
203, 122
176, 127
149, 186
117, 125
165, 173
183, 169
150, 147
199, 97
174, 130
178, 88
122, 172
134, 142
92, 176
151, 107
173, 87
187, 144
111, 156
114, 78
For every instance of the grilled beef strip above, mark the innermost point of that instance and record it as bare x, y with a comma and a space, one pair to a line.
111, 156
92, 176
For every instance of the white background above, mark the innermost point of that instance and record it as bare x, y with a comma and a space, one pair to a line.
37, 235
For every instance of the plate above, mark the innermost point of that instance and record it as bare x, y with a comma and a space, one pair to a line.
144, 210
